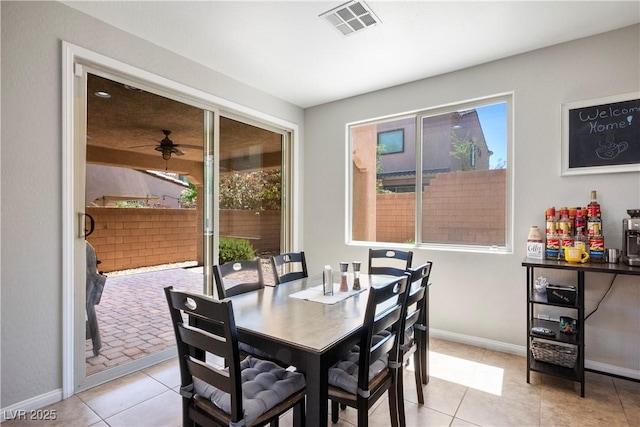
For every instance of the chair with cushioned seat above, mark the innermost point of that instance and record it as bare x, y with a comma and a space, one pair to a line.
235, 278
249, 392
284, 267
416, 327
373, 367
238, 277
389, 261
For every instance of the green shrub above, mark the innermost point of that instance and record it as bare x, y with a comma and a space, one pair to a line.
232, 249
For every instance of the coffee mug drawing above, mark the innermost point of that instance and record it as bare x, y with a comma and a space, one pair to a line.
574, 254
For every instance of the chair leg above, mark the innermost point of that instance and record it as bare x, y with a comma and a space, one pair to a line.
299, 415
363, 415
417, 365
423, 350
335, 415
396, 401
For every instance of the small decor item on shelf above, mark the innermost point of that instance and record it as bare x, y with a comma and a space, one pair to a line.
540, 285
558, 294
558, 354
568, 325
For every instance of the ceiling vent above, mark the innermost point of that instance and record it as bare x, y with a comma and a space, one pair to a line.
351, 17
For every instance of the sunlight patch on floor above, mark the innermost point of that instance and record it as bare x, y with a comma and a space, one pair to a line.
476, 375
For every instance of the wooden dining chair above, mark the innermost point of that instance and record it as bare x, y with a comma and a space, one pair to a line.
249, 392
375, 365
289, 266
416, 328
238, 277
389, 261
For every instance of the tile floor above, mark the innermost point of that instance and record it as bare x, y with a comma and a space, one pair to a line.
469, 386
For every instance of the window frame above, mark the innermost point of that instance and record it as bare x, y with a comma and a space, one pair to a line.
418, 115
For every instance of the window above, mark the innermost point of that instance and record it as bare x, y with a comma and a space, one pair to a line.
390, 142
462, 153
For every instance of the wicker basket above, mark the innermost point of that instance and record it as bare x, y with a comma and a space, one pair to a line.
545, 351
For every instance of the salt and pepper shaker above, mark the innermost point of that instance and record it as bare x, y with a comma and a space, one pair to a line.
344, 267
356, 275
327, 280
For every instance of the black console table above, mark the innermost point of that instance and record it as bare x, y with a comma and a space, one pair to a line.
574, 343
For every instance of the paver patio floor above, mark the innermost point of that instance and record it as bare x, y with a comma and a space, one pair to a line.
133, 317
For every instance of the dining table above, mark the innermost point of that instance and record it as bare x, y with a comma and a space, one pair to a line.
295, 323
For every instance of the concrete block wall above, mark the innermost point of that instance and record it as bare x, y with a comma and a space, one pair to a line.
395, 217
129, 238
458, 208
262, 229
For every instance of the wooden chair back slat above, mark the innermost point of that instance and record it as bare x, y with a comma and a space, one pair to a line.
391, 262
231, 278
280, 264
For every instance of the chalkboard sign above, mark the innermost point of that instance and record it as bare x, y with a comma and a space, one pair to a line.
601, 135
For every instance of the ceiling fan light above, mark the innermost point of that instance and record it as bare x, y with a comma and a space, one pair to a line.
166, 151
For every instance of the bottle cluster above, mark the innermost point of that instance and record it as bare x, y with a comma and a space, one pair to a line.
579, 227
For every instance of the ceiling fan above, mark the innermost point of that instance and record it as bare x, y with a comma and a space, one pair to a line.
167, 147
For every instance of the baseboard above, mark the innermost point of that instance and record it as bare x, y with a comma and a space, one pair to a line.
522, 351
616, 371
502, 347
21, 410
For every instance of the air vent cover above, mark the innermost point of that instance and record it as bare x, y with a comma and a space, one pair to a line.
351, 17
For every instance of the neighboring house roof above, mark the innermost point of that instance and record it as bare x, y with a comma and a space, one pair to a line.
112, 183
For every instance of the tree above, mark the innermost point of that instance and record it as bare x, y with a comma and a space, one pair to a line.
257, 190
465, 151
188, 197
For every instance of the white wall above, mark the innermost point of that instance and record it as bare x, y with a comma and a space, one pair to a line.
482, 296
31, 247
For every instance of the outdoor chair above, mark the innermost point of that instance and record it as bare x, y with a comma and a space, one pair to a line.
374, 366
389, 261
95, 282
238, 277
416, 328
249, 392
284, 267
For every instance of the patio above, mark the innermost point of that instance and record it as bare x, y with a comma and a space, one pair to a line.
133, 317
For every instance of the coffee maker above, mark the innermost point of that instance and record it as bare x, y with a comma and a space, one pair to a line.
631, 238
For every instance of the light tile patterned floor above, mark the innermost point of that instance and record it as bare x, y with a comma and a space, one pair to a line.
469, 386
